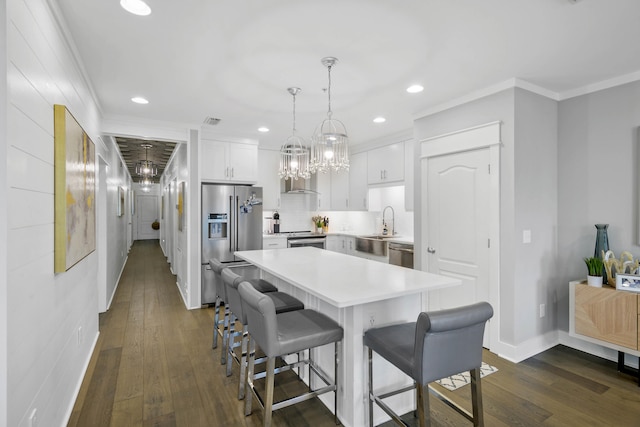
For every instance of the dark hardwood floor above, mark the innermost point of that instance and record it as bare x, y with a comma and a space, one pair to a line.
153, 366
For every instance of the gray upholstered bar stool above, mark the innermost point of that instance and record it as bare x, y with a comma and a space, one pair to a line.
283, 334
440, 344
260, 284
283, 303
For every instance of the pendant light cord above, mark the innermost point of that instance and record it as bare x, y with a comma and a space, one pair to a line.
329, 91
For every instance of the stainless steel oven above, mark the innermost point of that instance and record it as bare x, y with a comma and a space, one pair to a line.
300, 241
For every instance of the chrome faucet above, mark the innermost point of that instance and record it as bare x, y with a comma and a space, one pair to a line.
393, 220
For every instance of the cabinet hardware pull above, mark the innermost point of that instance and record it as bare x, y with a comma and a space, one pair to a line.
431, 250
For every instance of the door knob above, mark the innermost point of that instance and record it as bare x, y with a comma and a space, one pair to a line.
431, 250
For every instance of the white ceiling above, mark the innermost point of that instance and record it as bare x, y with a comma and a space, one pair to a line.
234, 60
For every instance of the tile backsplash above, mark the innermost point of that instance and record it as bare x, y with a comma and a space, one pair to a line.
296, 212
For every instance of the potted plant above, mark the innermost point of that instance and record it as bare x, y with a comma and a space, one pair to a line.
317, 221
595, 266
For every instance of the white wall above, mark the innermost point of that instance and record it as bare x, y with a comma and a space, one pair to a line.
598, 168
3, 217
52, 320
177, 170
536, 210
499, 106
528, 200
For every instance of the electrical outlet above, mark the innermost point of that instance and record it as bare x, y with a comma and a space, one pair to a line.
542, 310
33, 418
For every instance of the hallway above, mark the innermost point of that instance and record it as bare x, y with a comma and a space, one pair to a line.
153, 366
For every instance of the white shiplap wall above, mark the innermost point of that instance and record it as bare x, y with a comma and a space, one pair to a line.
3, 217
52, 320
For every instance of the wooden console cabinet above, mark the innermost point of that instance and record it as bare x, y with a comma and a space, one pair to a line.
607, 314
607, 317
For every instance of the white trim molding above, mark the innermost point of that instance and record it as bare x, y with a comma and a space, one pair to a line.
485, 136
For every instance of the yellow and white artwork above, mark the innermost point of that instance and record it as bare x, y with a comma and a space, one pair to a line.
75, 219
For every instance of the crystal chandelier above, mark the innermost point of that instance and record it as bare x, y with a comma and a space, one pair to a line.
294, 156
145, 167
329, 144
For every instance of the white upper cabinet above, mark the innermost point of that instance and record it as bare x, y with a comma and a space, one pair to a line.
386, 164
323, 187
229, 161
339, 191
358, 187
268, 178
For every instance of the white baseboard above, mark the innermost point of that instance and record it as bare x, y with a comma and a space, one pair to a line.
115, 288
527, 349
67, 416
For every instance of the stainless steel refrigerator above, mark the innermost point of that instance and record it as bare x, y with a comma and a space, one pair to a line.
231, 221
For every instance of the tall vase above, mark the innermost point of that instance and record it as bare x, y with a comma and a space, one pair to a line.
602, 244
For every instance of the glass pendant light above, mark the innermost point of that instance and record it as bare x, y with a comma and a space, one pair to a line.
329, 144
294, 156
146, 168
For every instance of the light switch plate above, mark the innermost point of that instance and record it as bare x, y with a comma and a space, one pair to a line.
526, 236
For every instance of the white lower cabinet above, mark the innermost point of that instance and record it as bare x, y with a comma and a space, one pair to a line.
274, 242
341, 243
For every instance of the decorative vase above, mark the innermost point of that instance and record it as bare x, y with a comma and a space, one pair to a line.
595, 281
602, 245
319, 230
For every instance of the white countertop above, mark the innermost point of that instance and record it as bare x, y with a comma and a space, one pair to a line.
343, 280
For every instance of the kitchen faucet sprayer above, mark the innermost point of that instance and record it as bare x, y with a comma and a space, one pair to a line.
393, 221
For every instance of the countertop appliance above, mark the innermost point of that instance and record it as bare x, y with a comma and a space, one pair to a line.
297, 239
401, 254
231, 220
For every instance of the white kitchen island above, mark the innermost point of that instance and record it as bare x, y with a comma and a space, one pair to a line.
359, 294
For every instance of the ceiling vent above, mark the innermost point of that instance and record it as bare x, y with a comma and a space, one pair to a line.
211, 121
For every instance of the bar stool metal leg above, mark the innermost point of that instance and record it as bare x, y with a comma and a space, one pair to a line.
422, 397
268, 401
476, 397
250, 367
216, 320
231, 342
243, 362
225, 336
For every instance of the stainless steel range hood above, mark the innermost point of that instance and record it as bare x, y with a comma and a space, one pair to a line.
299, 186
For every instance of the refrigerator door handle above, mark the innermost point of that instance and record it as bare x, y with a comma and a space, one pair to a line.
231, 219
237, 220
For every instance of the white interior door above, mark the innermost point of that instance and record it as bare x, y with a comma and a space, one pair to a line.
146, 214
458, 206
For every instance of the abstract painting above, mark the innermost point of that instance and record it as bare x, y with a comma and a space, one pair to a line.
74, 191
181, 188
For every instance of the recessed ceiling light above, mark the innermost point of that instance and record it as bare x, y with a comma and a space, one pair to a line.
263, 129
139, 100
379, 120
415, 89
137, 7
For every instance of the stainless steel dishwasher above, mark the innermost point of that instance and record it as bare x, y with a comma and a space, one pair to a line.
401, 254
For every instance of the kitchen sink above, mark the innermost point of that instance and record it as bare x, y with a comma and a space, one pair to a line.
377, 236
375, 244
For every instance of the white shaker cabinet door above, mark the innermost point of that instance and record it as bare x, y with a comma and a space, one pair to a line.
358, 187
386, 164
268, 179
243, 163
213, 162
